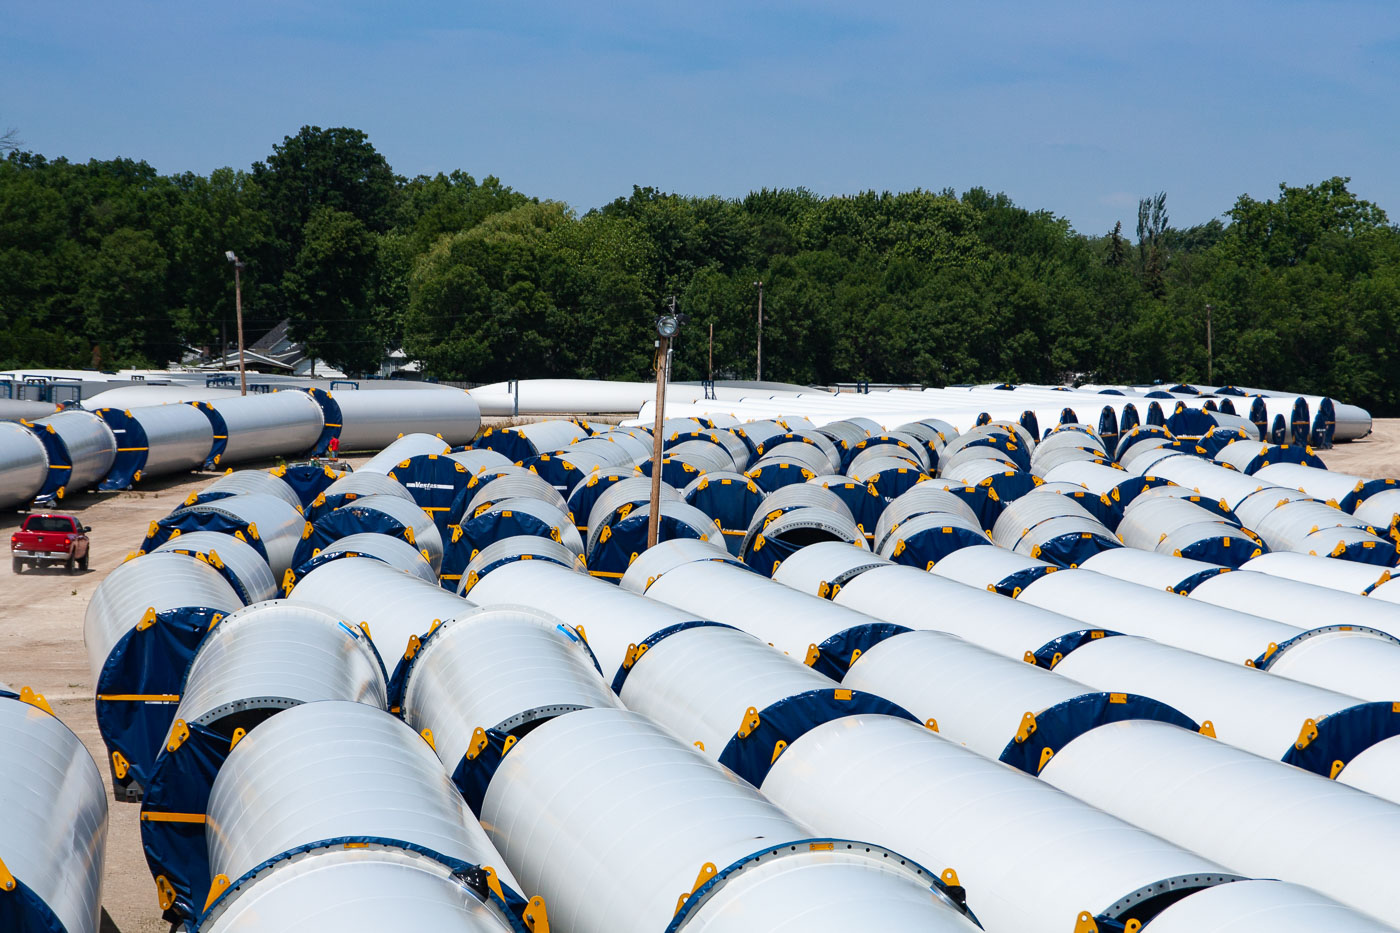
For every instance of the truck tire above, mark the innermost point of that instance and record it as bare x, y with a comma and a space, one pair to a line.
83, 562
69, 564
16, 565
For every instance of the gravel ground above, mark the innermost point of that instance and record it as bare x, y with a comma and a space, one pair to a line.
41, 642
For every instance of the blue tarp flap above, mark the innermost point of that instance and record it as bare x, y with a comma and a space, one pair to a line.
1230, 390
148, 663
1015, 583
925, 548
508, 443
1064, 722
1227, 406
1189, 422
1344, 735
1030, 422
473, 776
651, 641
730, 502
865, 502
556, 471
307, 480
456, 554
1157, 393
1108, 427
586, 493
216, 421
132, 448
1209, 405
1010, 485
619, 545
674, 472
1220, 438
200, 521
341, 523
1183, 389
1278, 432
1074, 548
330, 416
838, 652
511, 906
787, 720
984, 503
1184, 587
490, 527
60, 464
1053, 651
773, 476
1229, 549
1017, 452
1301, 422
983, 418
24, 911
878, 440
1128, 419
1377, 553
437, 484
1324, 424
1068, 416
1154, 412
1358, 496
181, 784
889, 484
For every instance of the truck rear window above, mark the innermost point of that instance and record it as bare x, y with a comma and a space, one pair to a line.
45, 523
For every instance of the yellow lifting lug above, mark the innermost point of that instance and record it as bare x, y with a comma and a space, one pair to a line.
165, 892
1056, 658
493, 882
1029, 656
306, 530
1207, 728
1269, 651
1045, 755
699, 744
931, 724
775, 566
507, 745
1132, 926
536, 919
1306, 734
855, 656
478, 743
414, 643
7, 880
1249, 662
179, 731
1085, 923
1026, 728
289, 580
629, 658
749, 723
364, 627
218, 886
427, 735
950, 878
253, 530
120, 766
408, 536
147, 620
28, 695
1337, 767
238, 735
215, 560
778, 747
583, 635
813, 655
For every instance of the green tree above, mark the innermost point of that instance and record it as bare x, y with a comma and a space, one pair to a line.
328, 292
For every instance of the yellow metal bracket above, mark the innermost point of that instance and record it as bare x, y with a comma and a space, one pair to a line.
950, 878
707, 871
7, 880
147, 620
1045, 755
1026, 729
778, 747
536, 919
493, 882
179, 732
813, 655
749, 723
1085, 923
165, 892
217, 887
1306, 735
28, 695
1208, 728
478, 743
120, 766
1337, 767
238, 735
427, 735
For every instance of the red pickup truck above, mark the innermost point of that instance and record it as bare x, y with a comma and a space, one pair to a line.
48, 537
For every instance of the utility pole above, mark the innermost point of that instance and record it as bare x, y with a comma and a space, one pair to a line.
238, 306
666, 327
758, 369
712, 351
1210, 350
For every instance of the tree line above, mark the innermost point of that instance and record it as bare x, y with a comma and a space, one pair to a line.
110, 263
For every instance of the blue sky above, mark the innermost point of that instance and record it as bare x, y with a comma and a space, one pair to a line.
1078, 108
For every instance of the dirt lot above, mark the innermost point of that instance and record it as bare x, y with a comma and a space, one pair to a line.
41, 641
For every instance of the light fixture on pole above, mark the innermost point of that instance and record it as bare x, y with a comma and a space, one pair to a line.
666, 327
758, 368
1210, 350
238, 306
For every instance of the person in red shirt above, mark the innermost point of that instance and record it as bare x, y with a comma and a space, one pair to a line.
334, 448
